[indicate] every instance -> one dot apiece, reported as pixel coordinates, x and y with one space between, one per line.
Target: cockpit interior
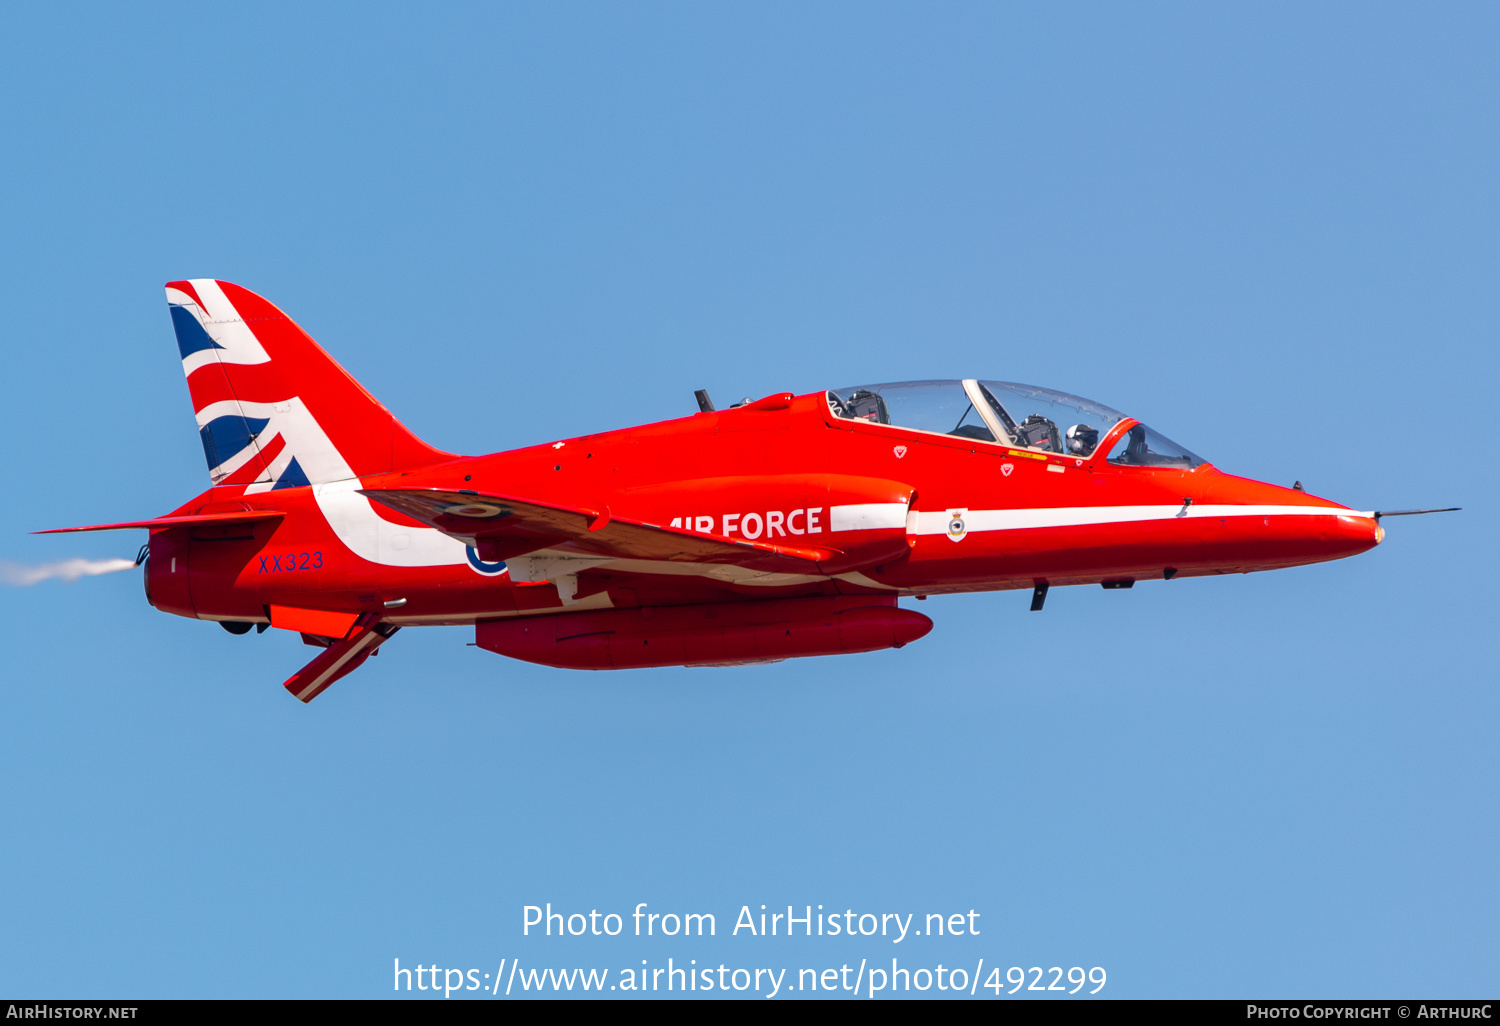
1011 414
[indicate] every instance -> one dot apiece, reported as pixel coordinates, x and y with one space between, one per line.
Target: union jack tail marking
273 409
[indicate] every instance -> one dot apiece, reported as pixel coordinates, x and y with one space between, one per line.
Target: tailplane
274 410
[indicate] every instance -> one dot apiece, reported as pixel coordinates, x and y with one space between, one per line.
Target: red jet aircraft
789 526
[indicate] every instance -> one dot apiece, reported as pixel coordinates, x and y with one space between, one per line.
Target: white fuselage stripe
370 537
922 522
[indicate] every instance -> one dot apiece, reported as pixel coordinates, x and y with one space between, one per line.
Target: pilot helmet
1082 439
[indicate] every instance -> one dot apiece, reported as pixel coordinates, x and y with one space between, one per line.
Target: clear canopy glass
1012 414
1040 418
942 407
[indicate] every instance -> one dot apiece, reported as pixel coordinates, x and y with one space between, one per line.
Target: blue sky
1270 231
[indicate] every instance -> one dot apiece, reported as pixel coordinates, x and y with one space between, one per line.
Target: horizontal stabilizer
243 516
501 527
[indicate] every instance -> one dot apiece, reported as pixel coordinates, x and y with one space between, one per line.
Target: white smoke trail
68 570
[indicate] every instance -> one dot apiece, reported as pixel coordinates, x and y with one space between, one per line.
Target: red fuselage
775 475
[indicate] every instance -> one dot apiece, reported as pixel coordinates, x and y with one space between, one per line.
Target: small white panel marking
868 516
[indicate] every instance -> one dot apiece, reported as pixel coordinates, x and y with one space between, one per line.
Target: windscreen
1143 447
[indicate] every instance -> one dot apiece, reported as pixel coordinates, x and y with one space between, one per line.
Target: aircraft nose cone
1348 534
1288 526
1311 538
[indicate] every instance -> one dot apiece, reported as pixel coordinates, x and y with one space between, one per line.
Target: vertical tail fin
273 409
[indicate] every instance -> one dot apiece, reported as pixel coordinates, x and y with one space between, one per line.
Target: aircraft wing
502 527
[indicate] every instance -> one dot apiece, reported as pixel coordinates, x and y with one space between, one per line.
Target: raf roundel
475 510
480 566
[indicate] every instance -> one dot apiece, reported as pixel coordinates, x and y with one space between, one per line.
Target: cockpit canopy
1021 416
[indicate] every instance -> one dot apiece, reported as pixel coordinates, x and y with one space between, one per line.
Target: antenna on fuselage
705 404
